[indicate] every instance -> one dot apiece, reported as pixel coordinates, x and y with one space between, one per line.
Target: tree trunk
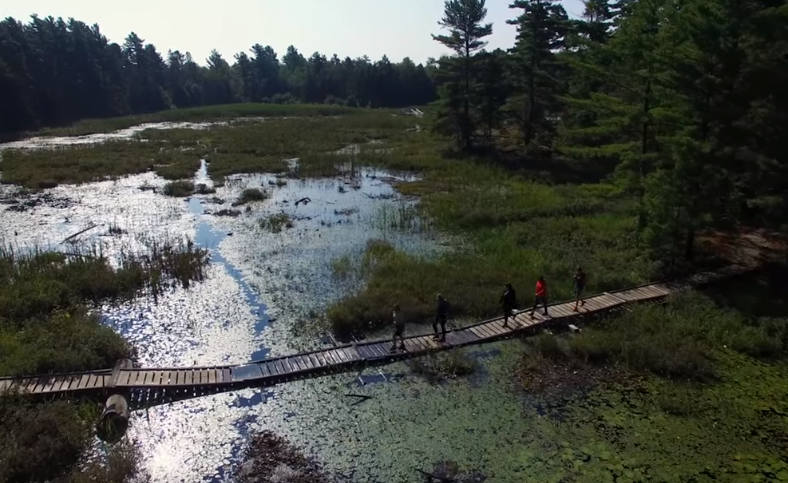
689 245
466 121
641 191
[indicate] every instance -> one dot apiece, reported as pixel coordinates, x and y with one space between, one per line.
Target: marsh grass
250 195
48 324
276 223
45 168
677 340
204 113
178 189
442 366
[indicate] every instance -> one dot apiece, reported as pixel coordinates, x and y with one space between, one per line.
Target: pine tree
541 30
490 92
463 19
629 114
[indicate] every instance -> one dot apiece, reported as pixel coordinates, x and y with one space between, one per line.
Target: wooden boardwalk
151 386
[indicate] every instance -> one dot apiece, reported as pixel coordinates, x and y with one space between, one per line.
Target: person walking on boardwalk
441 317
580 285
541 295
509 303
399 329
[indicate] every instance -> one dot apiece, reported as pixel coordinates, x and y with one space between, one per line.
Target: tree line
681 102
55 71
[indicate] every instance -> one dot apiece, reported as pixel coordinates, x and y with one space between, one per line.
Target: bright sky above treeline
396 28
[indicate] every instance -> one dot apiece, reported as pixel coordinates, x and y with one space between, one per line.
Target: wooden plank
264 369
374 350
497 328
280 368
412 346
314 361
173 378
211 376
478 332
351 353
227 375
189 377
290 365
83 381
305 362
58 383
321 358
94 381
123 378
339 355
483 332
420 343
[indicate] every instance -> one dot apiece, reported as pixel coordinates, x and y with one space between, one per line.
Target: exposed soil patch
272 459
557 381
749 247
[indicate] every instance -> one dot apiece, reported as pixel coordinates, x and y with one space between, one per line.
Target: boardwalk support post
114 419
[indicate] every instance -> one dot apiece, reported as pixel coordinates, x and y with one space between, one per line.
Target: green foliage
179 189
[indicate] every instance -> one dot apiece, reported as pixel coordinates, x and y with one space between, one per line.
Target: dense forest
683 103
55 71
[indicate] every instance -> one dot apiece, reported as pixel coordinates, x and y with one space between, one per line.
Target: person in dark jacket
508 302
441 317
580 285
399 329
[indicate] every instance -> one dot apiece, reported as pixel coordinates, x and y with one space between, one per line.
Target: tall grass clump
677 340
250 195
179 189
48 324
275 223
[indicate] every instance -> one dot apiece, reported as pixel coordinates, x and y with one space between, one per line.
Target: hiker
399 329
509 303
541 295
441 316
580 285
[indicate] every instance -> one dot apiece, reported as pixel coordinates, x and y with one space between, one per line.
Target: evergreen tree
463 19
541 30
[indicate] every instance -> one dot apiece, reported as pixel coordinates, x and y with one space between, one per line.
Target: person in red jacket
541 295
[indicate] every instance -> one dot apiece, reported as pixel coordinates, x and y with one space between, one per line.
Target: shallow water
260 286
122 134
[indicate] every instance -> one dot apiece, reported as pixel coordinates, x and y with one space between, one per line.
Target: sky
396 28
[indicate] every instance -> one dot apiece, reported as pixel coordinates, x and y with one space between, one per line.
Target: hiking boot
393 348
402 347
574 309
